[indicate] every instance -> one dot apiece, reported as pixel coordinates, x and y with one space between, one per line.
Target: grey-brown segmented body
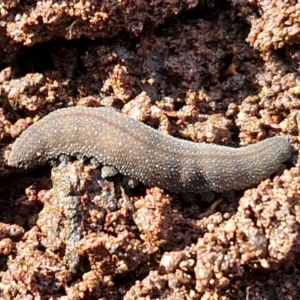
144 154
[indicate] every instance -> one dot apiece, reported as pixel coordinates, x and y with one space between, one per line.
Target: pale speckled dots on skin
142 153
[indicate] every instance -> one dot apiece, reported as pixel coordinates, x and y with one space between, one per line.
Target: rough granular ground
223 72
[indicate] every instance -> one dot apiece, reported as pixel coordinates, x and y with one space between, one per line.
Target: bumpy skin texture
142 153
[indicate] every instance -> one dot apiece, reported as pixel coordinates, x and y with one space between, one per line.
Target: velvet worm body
141 152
